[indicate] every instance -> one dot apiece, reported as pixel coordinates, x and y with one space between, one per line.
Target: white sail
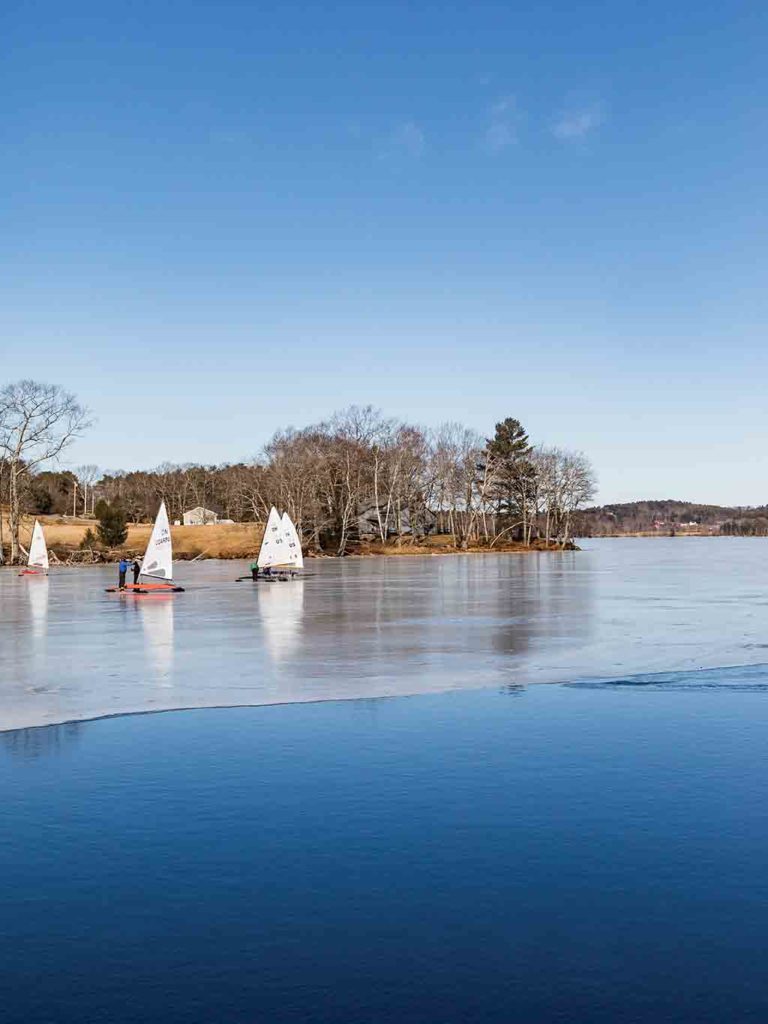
295 557
158 558
38 551
274 547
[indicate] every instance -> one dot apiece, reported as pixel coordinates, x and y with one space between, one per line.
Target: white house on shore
200 517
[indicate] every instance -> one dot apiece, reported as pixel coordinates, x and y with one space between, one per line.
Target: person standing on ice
122 569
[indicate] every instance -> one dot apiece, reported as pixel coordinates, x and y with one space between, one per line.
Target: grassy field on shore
236 540
224 540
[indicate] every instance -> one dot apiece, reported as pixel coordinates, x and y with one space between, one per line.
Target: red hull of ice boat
146 588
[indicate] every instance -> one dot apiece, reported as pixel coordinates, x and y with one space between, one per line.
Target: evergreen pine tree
112 528
511 450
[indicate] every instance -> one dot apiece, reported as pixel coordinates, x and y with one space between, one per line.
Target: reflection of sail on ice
38 550
281 608
157 623
38 605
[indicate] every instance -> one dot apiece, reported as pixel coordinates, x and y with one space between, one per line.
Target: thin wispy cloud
500 135
408 138
505 118
504 105
228 137
576 124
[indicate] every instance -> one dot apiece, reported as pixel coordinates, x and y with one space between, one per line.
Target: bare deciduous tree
37 423
566 484
86 477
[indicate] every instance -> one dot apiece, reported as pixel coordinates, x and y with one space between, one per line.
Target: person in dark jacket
122 569
136 571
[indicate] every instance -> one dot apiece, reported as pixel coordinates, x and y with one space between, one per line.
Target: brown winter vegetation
224 540
445 544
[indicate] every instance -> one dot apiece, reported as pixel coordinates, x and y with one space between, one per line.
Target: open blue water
595 852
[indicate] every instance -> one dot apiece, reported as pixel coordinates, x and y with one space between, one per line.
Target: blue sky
450 211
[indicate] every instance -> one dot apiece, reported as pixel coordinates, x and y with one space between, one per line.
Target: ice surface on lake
377 627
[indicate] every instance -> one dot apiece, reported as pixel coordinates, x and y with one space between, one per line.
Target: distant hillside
669 517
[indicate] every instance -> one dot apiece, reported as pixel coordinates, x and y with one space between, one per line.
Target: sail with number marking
38 550
295 557
158 558
274 548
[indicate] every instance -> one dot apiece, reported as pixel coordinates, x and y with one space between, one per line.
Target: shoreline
240 541
105 716
108 559
643 679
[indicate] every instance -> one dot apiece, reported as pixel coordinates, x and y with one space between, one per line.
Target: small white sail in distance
158 558
38 550
274 548
295 557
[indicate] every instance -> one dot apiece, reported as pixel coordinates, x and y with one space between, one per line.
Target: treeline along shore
359 482
671 518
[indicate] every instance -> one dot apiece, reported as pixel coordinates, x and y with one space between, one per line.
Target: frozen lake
363 628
